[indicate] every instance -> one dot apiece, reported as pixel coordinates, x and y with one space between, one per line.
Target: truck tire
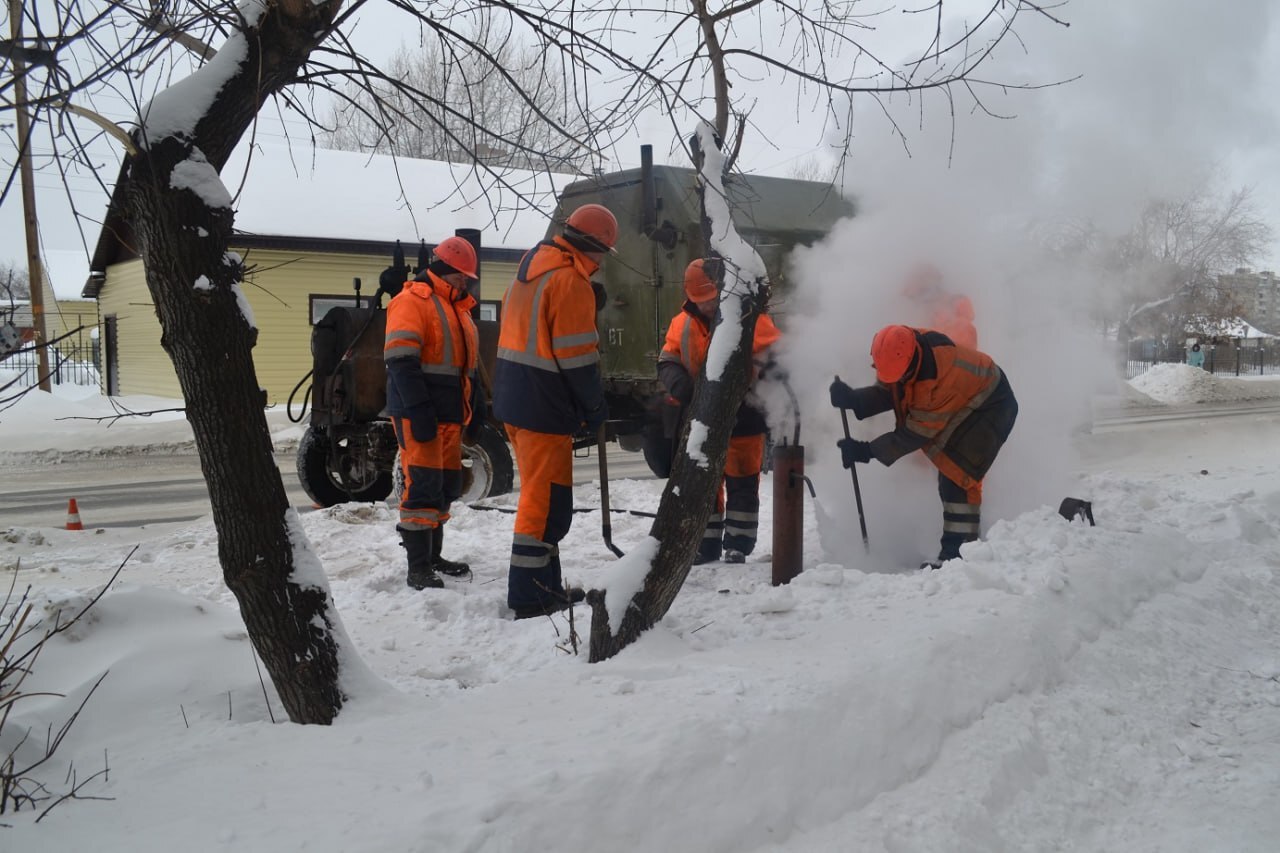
325 482
658 452
487 469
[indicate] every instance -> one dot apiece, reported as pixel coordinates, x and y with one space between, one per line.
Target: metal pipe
788 512
472 236
648 195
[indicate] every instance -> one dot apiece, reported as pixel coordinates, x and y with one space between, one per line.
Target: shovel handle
857 492
606 527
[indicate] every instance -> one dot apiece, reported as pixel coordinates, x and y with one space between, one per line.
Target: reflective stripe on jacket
430 351
547 375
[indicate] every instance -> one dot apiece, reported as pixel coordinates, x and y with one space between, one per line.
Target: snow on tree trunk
698 468
180 213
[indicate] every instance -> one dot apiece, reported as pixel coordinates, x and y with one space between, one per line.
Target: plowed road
131 491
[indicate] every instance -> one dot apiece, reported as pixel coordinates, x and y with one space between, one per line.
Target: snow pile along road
1182 383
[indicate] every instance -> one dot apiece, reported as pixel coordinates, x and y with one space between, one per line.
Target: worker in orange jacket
680 363
432 395
546 389
949 313
950 401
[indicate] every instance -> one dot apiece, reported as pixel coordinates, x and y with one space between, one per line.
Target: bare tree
198 75
13 282
1177 249
492 100
1164 270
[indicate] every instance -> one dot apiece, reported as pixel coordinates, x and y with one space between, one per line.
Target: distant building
1258 294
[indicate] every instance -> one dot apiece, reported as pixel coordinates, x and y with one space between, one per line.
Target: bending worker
952 402
547 388
679 365
430 353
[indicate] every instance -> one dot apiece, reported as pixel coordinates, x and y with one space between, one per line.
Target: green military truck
348 452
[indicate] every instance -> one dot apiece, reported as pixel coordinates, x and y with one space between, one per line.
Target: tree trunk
691 489
183 240
686 502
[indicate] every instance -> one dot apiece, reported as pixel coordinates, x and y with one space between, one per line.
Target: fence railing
1251 357
72 360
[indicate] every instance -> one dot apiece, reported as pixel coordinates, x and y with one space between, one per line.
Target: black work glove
852 450
479 414
422 422
596 416
843 396
863 402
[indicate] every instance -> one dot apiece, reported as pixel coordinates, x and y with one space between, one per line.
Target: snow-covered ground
1063 688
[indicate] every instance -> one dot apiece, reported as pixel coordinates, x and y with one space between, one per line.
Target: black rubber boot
540 591
417 548
453 568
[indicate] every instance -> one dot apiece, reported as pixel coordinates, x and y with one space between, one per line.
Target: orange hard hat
699 286
892 351
459 254
595 224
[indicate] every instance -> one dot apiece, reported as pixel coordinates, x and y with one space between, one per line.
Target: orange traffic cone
73 516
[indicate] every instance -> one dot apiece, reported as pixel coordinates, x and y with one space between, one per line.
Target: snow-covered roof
65 271
1236 327
299 191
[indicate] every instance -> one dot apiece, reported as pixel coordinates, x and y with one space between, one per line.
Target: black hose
576 510
289 405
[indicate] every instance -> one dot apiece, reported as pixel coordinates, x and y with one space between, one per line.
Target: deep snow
1064 687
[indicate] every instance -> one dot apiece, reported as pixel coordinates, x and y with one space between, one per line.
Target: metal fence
72 360
1232 357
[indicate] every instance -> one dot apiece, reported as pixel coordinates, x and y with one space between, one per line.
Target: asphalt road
154 489
132 491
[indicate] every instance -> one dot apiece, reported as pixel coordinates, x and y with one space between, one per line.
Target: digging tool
857 492
606 527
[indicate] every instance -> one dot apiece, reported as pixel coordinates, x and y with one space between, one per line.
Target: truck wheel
487 470
658 451
326 480
487 467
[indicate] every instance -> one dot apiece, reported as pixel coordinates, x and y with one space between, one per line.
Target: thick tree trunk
183 239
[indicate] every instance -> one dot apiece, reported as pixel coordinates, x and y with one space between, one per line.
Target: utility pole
34 269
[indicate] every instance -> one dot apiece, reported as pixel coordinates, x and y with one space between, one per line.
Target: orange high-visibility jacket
685 352
430 351
689 338
958 407
954 318
547 375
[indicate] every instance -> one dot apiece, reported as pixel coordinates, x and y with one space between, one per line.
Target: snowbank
1182 383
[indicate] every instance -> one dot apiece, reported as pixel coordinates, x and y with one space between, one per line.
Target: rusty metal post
788 512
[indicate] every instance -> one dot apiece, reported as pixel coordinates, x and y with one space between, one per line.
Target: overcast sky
1170 89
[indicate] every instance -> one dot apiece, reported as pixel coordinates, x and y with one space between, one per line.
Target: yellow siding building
306 226
287 290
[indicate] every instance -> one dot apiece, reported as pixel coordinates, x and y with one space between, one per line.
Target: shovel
606 527
857 492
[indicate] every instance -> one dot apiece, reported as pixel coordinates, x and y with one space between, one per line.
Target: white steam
1169 92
